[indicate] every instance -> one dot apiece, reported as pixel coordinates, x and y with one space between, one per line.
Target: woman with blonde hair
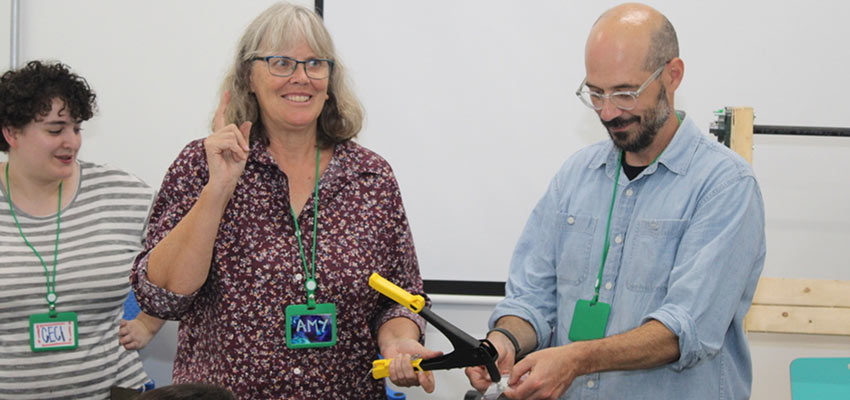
265 233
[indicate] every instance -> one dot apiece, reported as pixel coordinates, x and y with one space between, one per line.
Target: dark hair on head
28 93
188 391
663 46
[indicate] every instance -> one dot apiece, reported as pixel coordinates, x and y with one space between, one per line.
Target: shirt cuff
397 311
678 321
157 301
528 313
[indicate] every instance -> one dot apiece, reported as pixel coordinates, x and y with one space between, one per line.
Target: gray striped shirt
101 233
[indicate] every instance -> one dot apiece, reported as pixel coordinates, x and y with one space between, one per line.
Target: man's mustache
620 122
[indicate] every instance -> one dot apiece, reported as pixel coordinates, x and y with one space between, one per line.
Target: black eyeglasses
315 68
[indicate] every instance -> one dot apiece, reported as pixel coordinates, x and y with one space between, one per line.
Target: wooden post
741 140
782 305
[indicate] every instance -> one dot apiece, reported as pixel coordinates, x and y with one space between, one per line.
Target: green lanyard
608 224
310 282
51 278
607 229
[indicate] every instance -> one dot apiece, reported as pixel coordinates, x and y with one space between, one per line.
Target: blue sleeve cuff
684 327
528 313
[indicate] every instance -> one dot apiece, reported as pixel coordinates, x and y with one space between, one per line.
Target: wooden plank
802 292
741 139
793 319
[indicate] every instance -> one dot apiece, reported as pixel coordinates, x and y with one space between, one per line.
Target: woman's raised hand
227 149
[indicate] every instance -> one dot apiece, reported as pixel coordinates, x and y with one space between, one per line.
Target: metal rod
800 130
14 42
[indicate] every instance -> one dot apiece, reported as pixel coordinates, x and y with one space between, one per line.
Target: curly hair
28 93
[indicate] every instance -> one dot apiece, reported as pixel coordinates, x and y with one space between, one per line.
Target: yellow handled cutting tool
469 352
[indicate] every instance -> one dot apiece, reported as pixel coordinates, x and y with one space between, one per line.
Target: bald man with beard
635 270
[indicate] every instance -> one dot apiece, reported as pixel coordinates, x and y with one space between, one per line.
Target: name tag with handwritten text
310 327
53 333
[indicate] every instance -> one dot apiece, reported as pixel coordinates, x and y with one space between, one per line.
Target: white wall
156 67
5 34
472 103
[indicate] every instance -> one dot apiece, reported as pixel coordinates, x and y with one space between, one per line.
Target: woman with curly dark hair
69 231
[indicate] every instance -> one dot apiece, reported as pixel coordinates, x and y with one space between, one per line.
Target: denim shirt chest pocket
652 253
574 249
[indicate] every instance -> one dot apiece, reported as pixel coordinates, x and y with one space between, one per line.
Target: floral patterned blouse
232 330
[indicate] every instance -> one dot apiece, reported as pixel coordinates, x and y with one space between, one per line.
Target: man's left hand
544 374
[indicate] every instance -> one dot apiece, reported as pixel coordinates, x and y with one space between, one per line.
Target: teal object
820 378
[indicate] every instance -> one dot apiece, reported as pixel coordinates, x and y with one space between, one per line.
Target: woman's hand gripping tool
469 352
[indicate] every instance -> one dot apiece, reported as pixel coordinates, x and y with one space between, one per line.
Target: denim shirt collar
676 157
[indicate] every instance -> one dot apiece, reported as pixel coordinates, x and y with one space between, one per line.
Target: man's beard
648 128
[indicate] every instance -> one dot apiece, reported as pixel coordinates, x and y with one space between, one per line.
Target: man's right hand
226 149
479 378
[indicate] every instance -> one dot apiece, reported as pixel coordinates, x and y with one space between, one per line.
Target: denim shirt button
618 239
609 285
629 192
591 384
571 220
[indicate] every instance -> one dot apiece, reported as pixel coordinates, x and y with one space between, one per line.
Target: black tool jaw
495 375
469 352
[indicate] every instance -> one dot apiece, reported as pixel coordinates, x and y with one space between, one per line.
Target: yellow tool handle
381 368
401 296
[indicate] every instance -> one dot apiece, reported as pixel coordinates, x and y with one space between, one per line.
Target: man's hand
544 374
478 376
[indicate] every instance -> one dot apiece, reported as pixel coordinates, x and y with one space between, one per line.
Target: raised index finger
219 121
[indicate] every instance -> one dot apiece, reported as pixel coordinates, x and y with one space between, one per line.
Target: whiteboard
5 34
156 67
472 103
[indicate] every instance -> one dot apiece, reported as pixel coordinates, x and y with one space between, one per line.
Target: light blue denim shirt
687 247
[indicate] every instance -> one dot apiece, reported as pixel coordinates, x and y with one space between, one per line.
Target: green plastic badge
589 320
310 327
58 332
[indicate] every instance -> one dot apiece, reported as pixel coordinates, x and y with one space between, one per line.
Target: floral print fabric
232 330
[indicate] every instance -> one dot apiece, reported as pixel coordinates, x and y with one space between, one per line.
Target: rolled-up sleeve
720 258
155 300
531 288
180 190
